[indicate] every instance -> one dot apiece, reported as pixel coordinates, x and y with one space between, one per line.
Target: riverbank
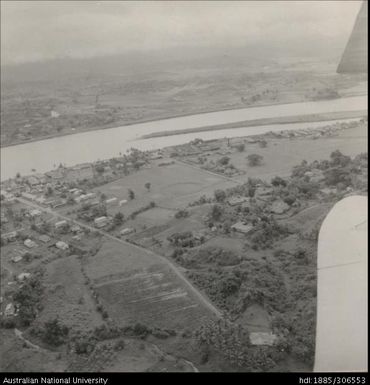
124 123
311 118
44 155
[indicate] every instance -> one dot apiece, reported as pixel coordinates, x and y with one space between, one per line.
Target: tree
99 168
54 332
278 181
224 160
147 185
263 143
49 191
338 159
103 197
220 195
216 212
254 159
118 219
131 194
240 147
251 191
182 214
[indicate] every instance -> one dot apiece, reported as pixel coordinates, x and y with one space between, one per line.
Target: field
67 297
172 187
15 357
135 286
281 155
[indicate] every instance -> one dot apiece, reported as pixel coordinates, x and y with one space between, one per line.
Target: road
201 297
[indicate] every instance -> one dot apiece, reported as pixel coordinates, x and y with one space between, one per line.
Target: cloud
37 30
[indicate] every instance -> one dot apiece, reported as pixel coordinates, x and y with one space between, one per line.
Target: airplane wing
341 328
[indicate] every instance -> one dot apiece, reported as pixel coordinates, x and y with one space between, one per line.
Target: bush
119 345
262 143
8 323
224 160
220 195
254 160
84 346
54 332
278 181
182 214
28 297
216 212
240 147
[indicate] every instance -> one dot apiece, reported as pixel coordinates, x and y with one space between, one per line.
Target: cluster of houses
314 132
195 147
263 194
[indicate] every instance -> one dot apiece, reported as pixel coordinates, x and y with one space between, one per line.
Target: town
210 244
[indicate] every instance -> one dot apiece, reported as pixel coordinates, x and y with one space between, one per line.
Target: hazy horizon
37 31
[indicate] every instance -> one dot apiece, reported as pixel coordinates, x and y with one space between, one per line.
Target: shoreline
256 135
310 118
122 125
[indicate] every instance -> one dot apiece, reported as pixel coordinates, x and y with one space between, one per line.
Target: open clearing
281 155
172 186
15 357
137 287
66 296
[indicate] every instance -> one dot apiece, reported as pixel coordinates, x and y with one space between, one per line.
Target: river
44 155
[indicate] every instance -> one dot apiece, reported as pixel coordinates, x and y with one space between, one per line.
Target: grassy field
15 357
172 187
134 286
281 155
67 297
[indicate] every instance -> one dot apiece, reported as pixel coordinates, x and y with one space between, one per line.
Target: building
29 196
61 245
101 222
85 197
40 199
44 238
58 203
262 338
315 176
279 207
16 258
111 201
80 172
127 231
30 243
56 174
9 310
54 114
23 276
233 201
75 229
35 213
122 202
263 191
240 227
60 224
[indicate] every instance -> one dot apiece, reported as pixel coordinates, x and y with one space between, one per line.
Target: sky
43 30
